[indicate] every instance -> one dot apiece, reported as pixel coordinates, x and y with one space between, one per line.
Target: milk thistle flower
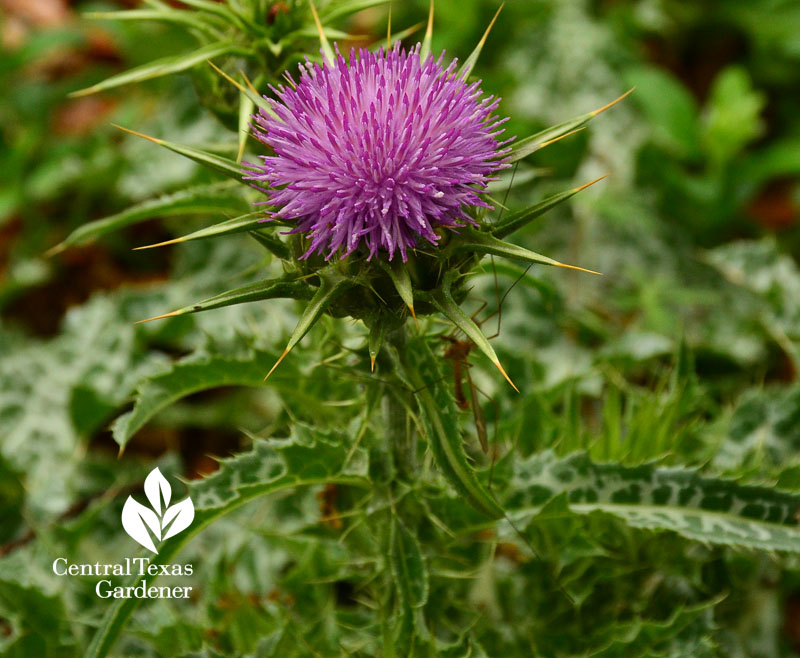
382 150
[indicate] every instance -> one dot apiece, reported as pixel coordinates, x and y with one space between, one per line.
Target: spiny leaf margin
707 509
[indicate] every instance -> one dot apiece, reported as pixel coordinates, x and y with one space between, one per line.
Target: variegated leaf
712 510
307 457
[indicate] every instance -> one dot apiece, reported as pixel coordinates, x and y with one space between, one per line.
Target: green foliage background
650 460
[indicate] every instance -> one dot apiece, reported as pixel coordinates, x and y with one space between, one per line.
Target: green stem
398 429
420 370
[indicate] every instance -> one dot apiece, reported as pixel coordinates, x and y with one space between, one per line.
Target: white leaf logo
157 488
183 513
138 519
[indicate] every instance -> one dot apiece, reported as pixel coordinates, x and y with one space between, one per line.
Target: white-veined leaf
308 457
708 509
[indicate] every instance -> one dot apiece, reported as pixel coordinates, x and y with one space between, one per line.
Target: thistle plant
389 152
386 492
372 192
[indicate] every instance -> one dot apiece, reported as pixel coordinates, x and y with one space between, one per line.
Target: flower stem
398 429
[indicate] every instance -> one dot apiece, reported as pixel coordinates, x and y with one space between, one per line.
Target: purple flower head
382 150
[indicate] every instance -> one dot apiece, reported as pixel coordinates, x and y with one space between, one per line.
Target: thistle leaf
517 220
209 160
428 40
223 11
160 67
272 243
469 63
389 28
339 9
525 147
444 302
407 565
216 197
167 15
402 282
711 510
309 32
419 367
287 287
252 95
483 243
378 327
186 377
307 458
404 34
329 289
236 225
246 107
323 40
518 177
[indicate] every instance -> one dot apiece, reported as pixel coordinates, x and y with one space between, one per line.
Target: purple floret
382 150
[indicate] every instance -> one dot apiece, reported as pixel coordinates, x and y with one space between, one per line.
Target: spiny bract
382 150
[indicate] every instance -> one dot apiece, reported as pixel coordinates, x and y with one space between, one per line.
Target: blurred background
688 346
